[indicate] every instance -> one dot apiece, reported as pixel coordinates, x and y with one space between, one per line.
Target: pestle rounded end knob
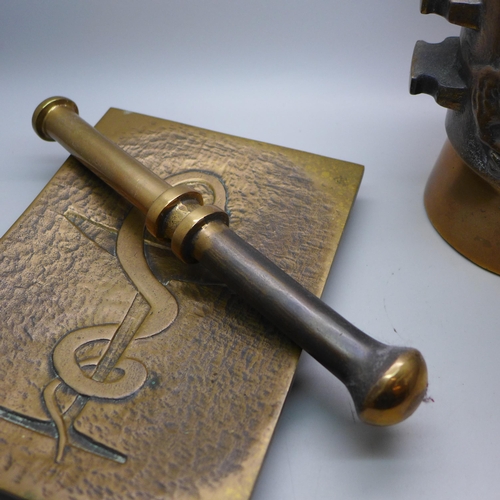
43 110
398 392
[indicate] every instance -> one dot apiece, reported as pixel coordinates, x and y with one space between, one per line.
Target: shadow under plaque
193 379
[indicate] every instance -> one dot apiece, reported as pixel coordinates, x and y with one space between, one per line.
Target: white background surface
330 78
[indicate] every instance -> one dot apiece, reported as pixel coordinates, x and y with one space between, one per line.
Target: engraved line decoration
112 375
153 310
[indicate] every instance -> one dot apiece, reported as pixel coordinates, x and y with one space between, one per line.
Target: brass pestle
386 383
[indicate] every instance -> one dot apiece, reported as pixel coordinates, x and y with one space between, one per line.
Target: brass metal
165 202
183 239
364 365
463 75
464 209
404 381
47 106
83 282
138 185
359 361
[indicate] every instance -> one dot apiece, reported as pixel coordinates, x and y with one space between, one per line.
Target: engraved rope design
153 310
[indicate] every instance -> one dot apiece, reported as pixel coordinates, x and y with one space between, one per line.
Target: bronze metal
202 235
463 74
83 282
464 209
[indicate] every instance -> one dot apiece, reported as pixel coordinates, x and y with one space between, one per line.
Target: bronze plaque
126 374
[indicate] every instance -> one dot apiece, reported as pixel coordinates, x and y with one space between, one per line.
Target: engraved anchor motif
112 374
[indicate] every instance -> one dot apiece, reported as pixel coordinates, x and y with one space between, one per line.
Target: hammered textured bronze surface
126 374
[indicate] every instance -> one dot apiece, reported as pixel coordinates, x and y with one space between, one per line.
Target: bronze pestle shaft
386 383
